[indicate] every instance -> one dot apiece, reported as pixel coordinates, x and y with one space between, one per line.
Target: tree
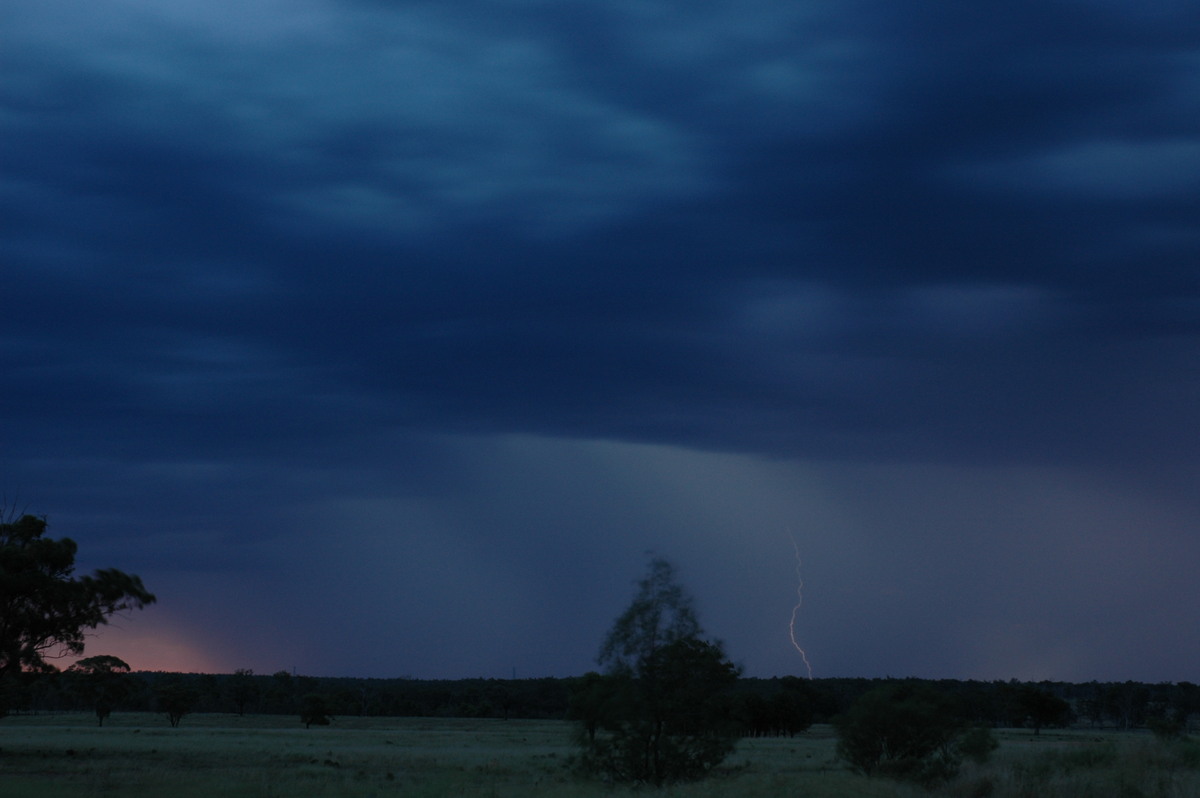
1040 708
314 710
46 611
903 730
102 682
793 707
591 704
176 699
1126 703
788 711
661 613
662 713
281 694
242 688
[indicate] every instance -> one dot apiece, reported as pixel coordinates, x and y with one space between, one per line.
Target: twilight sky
385 338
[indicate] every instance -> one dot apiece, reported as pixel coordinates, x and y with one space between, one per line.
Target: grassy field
67 756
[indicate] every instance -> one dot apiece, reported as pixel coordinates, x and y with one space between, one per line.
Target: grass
1087 765
136 756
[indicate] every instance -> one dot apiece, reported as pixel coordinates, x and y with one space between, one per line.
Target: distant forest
781 705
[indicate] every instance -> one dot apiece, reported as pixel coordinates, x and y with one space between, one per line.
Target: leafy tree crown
661 613
662 713
45 610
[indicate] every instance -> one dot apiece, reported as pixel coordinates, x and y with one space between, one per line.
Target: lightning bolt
796 609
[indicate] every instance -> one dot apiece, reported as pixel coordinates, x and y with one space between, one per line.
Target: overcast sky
385 338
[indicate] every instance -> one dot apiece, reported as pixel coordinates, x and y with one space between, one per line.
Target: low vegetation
138 755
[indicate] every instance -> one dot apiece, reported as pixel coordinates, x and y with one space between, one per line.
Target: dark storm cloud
267 255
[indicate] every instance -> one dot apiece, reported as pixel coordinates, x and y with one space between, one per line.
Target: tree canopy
660 613
314 710
45 610
102 682
176 698
662 713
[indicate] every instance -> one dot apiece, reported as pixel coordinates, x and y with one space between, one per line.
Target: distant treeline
781 705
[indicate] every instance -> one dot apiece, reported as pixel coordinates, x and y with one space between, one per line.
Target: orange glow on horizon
150 649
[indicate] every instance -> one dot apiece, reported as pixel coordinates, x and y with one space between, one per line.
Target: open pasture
139 756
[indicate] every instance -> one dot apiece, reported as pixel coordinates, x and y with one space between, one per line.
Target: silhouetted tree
1092 706
281 694
662 713
787 711
102 681
242 688
314 710
1041 708
45 611
177 700
1126 703
660 613
591 703
1185 701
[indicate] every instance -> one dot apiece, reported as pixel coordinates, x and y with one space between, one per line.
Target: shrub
977 744
901 730
1166 728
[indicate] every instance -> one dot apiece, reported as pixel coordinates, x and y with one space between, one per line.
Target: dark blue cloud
267 265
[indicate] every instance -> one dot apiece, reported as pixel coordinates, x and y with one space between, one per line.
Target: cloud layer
422 267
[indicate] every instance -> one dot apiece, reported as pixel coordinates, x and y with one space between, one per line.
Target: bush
901 730
1166 728
977 744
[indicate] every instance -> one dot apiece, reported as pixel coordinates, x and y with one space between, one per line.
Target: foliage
903 730
661 613
1038 708
45 611
176 699
103 681
12 694
314 711
1166 727
1126 703
977 744
663 712
595 704
242 688
987 703
786 711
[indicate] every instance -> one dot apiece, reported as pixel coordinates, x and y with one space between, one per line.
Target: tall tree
46 611
662 712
